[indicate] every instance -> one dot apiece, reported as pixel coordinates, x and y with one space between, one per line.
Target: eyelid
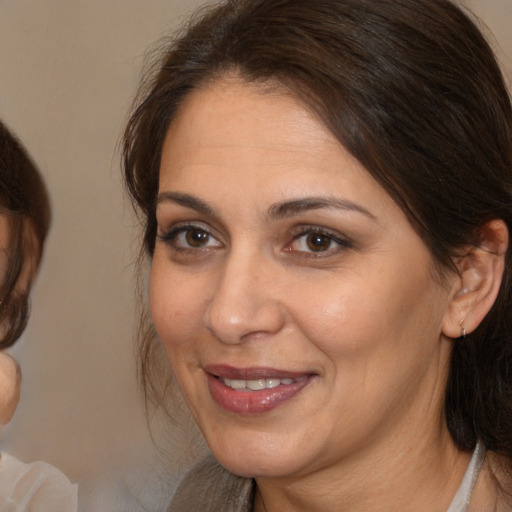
176 226
341 240
176 229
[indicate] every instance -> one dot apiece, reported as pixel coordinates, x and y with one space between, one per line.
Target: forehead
231 106
251 126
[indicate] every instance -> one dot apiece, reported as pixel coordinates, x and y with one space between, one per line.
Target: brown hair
24 202
412 89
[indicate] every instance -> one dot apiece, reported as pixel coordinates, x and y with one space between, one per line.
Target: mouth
259 384
254 390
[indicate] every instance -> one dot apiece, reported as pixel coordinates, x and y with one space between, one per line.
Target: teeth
256 385
238 384
272 383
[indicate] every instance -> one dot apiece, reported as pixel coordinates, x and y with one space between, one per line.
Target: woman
24 223
25 209
325 194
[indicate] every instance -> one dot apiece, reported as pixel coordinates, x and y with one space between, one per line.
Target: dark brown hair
413 90
25 204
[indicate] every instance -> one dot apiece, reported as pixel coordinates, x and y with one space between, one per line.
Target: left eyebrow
296 206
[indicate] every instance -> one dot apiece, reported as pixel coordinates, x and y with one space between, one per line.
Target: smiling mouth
254 390
259 384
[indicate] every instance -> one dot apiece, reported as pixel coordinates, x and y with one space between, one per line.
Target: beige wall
69 69
497 17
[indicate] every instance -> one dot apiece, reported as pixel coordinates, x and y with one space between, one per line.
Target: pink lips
257 401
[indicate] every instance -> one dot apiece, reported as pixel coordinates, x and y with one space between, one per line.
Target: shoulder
38 485
208 487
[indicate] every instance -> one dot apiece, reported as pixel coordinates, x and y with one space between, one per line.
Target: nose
245 302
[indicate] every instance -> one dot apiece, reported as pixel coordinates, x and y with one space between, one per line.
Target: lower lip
253 402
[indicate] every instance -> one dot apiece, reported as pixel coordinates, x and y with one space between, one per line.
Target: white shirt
34 487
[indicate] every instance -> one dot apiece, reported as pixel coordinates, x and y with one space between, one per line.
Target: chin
259 458
254 467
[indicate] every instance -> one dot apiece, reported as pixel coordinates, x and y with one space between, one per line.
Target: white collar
460 502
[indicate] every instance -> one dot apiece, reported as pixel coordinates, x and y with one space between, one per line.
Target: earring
463 332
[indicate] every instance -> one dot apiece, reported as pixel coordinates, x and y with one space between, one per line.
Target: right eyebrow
186 200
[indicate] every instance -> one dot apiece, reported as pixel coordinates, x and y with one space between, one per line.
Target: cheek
171 302
177 303
385 311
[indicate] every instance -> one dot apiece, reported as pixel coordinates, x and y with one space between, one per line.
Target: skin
10 383
236 280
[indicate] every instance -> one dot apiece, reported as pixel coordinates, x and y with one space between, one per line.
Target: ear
480 275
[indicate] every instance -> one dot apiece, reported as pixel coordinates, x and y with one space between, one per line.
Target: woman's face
297 306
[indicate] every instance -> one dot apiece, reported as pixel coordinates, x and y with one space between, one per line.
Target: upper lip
252 373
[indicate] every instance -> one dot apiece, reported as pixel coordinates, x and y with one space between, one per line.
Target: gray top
208 487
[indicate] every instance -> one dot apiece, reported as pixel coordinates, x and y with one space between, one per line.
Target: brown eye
190 237
197 237
318 242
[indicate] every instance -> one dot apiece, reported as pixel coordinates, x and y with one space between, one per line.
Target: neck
493 489
423 475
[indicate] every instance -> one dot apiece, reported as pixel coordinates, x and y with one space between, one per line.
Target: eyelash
332 238
183 229
172 235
